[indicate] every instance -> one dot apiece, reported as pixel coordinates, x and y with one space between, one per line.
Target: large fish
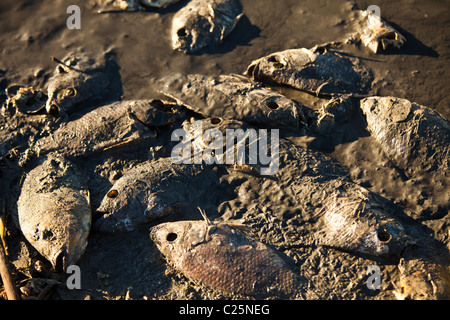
150 191
233 97
415 137
54 211
114 125
77 78
221 257
203 23
344 214
319 70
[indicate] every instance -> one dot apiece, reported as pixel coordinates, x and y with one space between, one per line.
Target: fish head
155 112
279 109
187 36
64 91
131 202
175 239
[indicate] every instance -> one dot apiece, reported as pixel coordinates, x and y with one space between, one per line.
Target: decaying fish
26 100
319 70
334 112
221 257
376 34
355 221
77 78
133 5
415 137
423 279
114 125
150 191
203 23
54 211
233 97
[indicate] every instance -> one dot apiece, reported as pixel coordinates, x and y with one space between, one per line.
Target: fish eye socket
171 236
272 105
112 194
182 32
383 236
70 92
215 121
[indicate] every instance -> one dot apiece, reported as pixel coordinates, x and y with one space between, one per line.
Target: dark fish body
150 191
415 137
78 79
225 259
203 23
114 125
133 5
317 70
233 97
54 211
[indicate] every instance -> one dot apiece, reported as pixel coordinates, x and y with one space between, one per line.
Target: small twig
10 288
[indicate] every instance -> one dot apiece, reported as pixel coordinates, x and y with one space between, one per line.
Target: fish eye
112 194
383 236
272 105
70 92
276 62
182 32
215 121
171 236
54 110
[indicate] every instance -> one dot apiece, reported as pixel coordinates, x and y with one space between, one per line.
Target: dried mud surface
129 265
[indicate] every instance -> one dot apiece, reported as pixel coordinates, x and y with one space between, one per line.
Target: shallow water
32 32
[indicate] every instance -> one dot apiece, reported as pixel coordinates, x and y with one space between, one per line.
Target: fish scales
345 215
223 258
233 97
415 137
203 23
317 70
54 211
150 191
108 126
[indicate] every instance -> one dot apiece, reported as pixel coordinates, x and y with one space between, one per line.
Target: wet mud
129 265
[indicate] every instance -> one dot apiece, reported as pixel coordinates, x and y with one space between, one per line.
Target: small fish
423 279
118 124
233 97
376 34
203 23
150 191
319 70
353 220
415 137
220 256
77 78
54 211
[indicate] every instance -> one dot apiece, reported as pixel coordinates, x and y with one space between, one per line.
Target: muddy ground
129 265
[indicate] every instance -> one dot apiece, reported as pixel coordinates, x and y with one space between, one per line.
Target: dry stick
10 288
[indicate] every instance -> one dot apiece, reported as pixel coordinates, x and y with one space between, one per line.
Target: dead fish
423 279
54 211
233 97
319 70
376 34
133 5
77 78
26 100
221 257
150 191
118 124
203 23
353 220
334 112
415 137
